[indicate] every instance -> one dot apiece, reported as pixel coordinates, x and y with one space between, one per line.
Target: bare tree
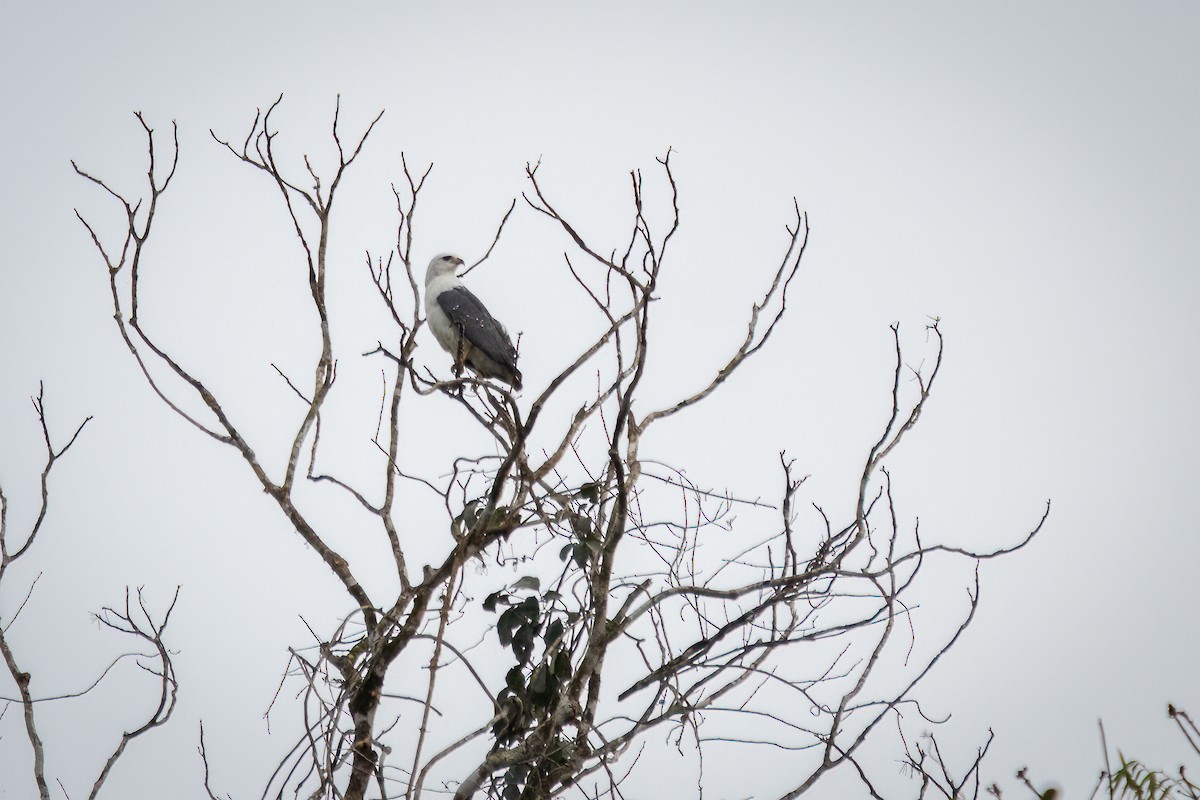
132 619
642 608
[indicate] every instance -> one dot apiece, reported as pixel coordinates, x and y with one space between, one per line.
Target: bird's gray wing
478 326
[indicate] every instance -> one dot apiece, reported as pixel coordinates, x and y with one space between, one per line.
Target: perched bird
464 327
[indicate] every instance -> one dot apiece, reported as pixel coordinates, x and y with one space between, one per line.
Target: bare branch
51 457
495 239
142 626
755 338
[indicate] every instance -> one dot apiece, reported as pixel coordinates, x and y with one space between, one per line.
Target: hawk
464 327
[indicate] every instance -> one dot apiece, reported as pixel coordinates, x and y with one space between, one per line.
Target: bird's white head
442 264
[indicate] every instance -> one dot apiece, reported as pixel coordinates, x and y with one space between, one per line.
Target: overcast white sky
1027 171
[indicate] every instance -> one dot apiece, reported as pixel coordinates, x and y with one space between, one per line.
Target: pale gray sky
1027 171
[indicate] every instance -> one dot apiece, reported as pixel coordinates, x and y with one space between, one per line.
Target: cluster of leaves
579 526
526 781
536 627
473 518
1131 779
532 693
533 689
1135 781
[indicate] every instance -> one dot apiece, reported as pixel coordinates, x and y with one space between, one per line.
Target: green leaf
582 525
553 631
562 665
466 520
531 610
509 621
531 582
498 517
470 513
538 681
522 643
489 602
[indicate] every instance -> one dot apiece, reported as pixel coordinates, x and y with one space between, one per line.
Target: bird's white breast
445 332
